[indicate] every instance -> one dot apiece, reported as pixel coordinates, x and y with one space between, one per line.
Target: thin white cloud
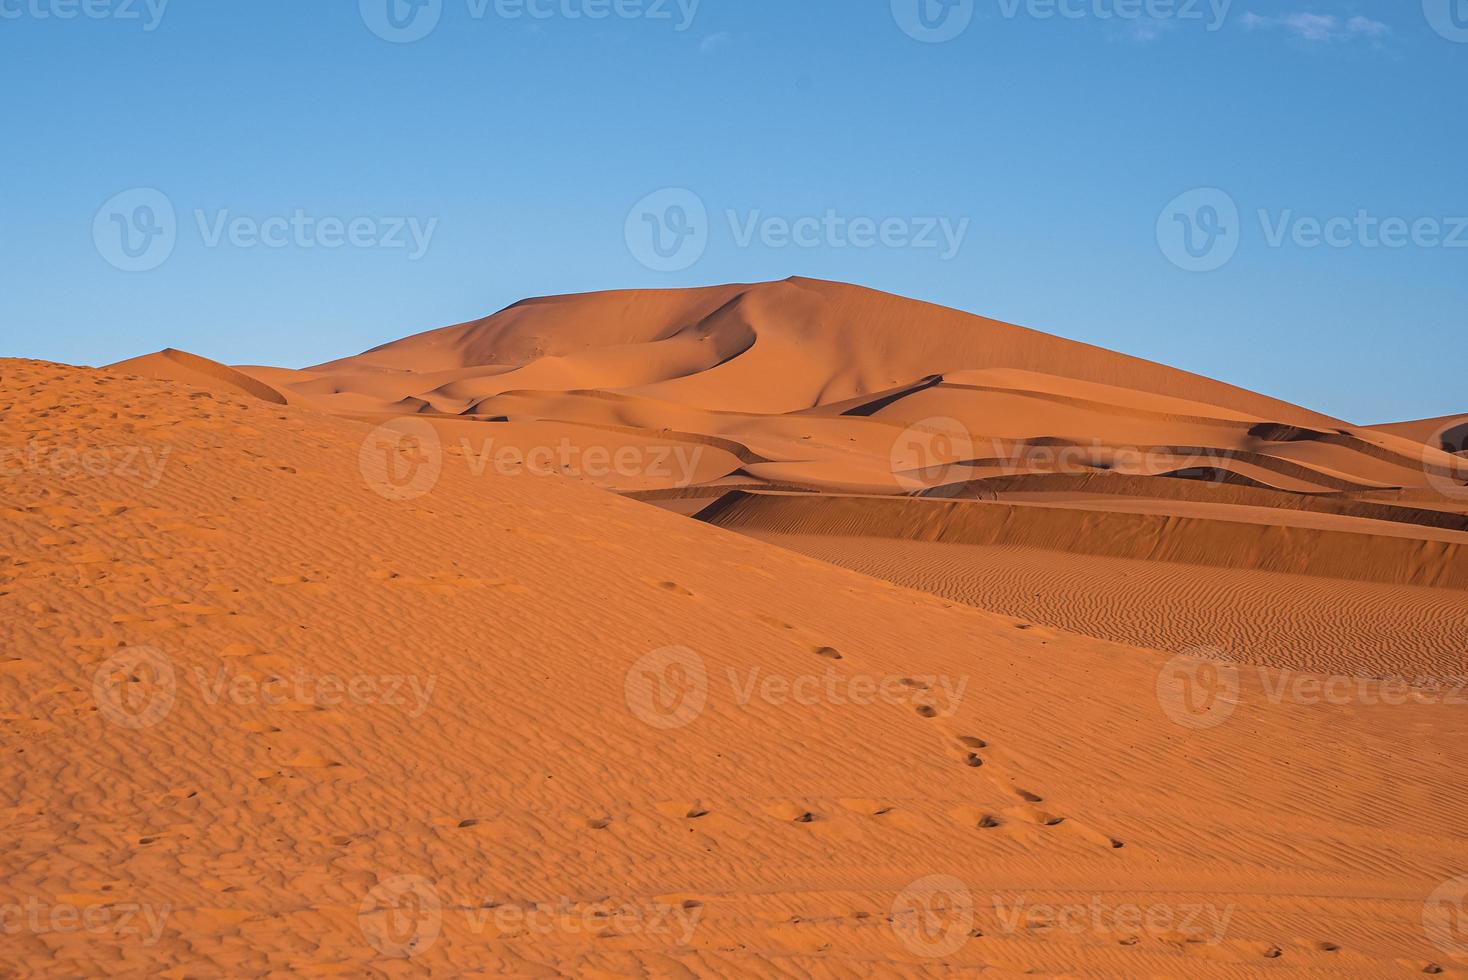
1146 30
714 42
1319 28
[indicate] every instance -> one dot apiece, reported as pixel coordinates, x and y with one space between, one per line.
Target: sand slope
562 802
835 391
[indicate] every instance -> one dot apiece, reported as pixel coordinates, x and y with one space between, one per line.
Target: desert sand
788 629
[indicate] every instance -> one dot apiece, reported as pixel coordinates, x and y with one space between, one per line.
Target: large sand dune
836 390
362 669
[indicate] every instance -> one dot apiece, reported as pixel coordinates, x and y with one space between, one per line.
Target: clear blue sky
528 139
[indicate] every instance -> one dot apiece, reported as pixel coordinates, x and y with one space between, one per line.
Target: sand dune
300 727
524 647
177 365
833 389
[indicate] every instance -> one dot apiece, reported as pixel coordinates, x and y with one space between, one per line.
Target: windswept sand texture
839 391
383 681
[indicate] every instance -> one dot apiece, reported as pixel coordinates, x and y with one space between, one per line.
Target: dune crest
843 393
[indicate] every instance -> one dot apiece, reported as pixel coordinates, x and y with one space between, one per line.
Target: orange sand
383 680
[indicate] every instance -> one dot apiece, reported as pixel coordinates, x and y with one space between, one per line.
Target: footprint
674 588
830 653
793 812
973 743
